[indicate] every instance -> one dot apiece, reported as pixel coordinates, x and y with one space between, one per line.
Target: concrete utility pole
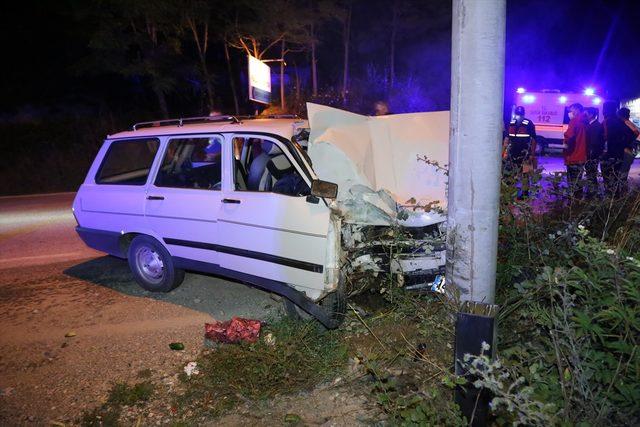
477 86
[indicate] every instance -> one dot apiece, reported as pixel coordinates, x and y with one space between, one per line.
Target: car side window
260 165
192 163
127 162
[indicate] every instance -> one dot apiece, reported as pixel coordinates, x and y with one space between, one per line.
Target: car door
266 226
183 200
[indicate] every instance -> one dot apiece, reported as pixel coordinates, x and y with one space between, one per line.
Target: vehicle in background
548 109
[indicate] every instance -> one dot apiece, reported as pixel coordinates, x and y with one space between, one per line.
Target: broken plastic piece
233 331
437 285
191 369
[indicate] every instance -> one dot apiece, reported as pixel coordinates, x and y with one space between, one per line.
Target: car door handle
236 201
155 197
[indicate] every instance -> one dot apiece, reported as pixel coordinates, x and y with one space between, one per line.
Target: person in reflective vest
519 148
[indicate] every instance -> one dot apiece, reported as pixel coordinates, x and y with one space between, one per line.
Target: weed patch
295 357
121 394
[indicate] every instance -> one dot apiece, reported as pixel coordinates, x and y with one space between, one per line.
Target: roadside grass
289 357
121 394
405 349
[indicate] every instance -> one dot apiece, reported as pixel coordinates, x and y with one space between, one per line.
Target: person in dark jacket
618 138
595 148
629 152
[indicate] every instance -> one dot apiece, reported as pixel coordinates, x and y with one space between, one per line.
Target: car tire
152 265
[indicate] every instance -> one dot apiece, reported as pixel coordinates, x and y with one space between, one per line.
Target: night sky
554 44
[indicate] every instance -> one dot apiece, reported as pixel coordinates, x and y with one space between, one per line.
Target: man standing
519 147
630 151
575 148
617 137
595 147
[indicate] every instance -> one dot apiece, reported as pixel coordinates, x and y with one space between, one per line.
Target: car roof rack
186 120
205 119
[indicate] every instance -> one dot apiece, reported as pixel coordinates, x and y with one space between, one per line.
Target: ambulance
548 109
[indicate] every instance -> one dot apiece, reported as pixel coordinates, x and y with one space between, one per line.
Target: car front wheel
152 266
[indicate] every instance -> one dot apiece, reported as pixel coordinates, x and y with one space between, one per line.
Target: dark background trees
104 64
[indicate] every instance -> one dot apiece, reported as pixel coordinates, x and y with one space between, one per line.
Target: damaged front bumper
411 257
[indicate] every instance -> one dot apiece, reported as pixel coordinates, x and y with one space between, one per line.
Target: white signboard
259 81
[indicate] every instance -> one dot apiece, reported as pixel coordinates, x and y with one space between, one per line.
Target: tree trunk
392 47
162 101
295 68
314 65
202 55
283 101
345 71
207 82
231 80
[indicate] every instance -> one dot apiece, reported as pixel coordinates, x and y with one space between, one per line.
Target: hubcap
149 264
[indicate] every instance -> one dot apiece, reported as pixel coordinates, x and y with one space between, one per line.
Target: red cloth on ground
232 331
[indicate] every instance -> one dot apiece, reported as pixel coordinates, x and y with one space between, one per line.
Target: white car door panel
276 236
182 209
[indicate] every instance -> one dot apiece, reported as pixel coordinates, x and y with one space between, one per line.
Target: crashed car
241 198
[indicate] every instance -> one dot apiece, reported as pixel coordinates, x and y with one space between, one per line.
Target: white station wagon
235 197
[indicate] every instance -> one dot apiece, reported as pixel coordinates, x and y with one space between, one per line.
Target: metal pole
477 85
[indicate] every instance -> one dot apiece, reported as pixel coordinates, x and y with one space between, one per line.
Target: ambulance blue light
521 90
562 99
597 101
528 99
589 91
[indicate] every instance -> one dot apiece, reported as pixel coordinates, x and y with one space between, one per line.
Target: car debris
191 369
233 331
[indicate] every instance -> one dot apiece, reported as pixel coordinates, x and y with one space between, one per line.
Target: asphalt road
51 285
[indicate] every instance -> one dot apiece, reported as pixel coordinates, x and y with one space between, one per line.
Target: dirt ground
119 330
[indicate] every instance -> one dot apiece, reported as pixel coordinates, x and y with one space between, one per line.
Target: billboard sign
259 81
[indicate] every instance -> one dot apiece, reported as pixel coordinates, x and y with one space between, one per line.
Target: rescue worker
595 148
575 148
519 148
630 151
618 137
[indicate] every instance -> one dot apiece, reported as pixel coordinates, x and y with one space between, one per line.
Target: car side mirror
325 189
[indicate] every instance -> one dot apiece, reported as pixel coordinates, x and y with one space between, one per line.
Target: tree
281 24
196 15
137 39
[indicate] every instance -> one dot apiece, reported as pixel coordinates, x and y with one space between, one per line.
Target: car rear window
128 162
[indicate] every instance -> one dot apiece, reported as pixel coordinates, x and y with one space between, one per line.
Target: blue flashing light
528 99
562 99
521 90
589 91
597 100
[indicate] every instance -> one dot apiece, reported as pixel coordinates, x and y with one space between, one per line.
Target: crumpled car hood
374 162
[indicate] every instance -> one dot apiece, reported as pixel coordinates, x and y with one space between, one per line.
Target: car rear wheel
152 266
